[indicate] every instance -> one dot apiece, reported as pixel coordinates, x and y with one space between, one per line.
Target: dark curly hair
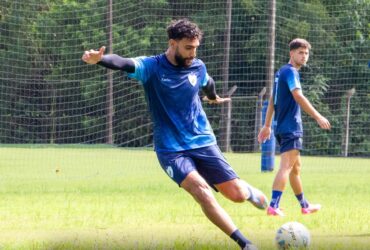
183 28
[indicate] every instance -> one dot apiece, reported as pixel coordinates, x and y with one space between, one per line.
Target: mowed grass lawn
113 198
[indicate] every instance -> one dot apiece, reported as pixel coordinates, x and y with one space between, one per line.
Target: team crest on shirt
192 79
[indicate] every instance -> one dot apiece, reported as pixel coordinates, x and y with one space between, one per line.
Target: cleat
250 247
312 208
275 212
256 197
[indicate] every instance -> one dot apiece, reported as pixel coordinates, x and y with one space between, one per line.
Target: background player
286 102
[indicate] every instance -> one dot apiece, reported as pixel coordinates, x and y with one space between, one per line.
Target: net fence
49 96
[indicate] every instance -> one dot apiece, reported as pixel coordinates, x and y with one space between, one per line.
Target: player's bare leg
295 177
287 161
296 184
202 193
239 191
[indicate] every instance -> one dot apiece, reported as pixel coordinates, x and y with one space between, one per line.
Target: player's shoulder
149 59
288 70
147 62
198 62
198 65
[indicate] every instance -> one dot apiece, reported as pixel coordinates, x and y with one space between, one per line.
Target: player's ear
291 53
172 43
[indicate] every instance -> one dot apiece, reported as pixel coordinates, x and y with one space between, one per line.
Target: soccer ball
292 235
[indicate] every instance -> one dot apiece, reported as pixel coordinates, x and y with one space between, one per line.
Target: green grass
112 198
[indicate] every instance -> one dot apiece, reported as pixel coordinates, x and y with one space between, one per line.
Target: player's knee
236 194
203 194
296 170
286 168
238 197
234 190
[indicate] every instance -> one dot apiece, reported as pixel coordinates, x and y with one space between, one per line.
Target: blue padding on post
268 147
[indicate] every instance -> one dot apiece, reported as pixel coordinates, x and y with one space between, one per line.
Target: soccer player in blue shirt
183 138
286 102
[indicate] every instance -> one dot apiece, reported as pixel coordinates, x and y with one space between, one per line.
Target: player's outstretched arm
113 61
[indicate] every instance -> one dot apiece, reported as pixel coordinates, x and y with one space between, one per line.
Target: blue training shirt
287 119
179 121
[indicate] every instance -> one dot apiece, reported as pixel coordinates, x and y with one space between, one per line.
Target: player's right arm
113 61
265 132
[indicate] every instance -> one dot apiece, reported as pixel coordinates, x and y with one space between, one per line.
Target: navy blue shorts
288 142
208 161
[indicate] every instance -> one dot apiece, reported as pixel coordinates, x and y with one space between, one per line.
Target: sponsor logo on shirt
164 79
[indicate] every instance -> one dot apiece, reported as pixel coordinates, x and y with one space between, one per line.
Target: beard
182 61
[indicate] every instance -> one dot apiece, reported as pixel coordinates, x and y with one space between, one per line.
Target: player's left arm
112 61
210 90
309 109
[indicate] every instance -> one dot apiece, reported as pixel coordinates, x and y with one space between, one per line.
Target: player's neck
297 66
170 57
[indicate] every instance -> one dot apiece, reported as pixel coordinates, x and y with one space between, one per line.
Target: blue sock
240 238
302 200
275 199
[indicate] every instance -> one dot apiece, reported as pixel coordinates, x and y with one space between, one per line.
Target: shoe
312 208
257 198
250 247
275 212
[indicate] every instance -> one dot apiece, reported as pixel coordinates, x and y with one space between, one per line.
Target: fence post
345 142
270 61
109 138
268 147
225 109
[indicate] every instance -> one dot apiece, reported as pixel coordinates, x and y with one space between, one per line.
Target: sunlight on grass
114 198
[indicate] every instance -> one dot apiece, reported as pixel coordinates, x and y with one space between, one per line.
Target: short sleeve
205 80
143 68
204 76
293 80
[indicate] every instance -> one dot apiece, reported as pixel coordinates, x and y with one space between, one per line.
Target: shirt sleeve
143 68
205 77
293 80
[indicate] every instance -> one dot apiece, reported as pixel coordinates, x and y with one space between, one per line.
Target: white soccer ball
292 235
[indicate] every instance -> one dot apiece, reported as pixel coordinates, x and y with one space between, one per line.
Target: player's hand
218 100
264 134
93 56
323 122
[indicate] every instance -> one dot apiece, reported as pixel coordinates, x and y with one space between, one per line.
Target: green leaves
44 82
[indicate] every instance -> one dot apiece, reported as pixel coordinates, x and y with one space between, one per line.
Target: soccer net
49 96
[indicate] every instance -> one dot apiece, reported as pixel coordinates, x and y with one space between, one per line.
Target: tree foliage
42 42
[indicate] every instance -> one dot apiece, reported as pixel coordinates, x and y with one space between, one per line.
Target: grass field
114 198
